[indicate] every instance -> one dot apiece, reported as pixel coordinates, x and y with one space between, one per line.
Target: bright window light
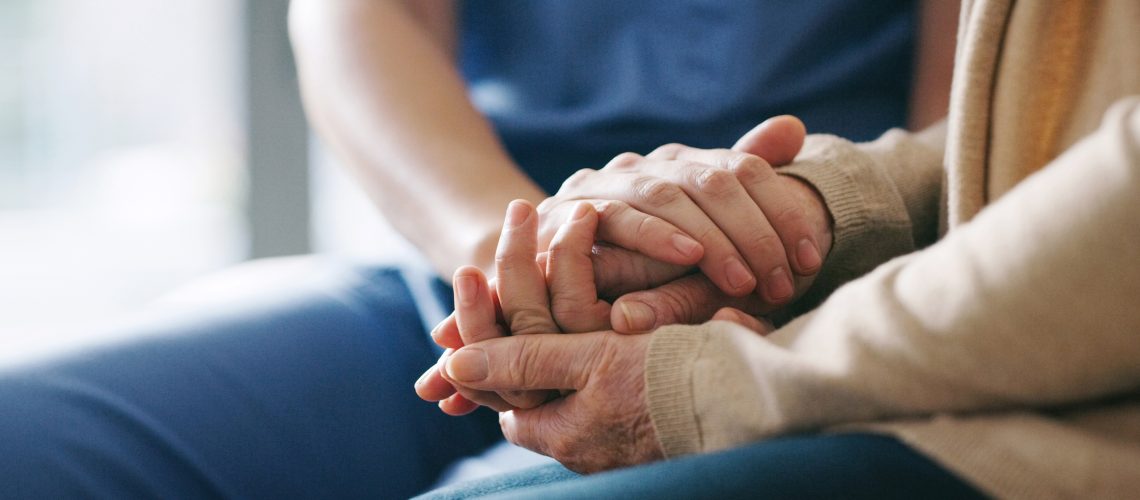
121 155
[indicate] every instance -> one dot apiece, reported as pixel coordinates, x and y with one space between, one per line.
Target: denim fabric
297 393
306 392
850 466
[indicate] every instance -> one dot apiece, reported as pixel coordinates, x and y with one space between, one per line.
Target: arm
401 132
1043 282
412 138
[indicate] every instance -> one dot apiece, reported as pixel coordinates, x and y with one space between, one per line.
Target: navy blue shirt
569 84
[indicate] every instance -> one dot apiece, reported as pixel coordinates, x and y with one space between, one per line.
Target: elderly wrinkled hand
519 302
578 398
602 421
581 269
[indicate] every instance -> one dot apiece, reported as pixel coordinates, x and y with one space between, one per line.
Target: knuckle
509 261
524 361
679 308
656 192
651 231
526 321
690 167
609 209
595 360
624 160
577 179
788 216
566 313
512 254
750 168
560 251
716 182
765 243
546 206
668 151
673 304
710 233
603 355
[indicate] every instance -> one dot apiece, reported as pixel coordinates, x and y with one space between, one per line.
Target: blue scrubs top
569 84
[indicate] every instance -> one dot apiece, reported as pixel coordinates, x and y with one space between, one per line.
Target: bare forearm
426 157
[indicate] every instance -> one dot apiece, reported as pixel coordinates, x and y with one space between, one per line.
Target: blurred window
121 154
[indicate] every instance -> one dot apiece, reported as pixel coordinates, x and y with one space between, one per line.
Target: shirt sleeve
1032 304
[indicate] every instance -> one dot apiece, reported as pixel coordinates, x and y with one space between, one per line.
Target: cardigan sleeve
883 198
1032 304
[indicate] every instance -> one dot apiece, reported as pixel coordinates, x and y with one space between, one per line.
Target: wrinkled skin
581 398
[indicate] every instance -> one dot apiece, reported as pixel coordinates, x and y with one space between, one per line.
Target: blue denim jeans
802 467
304 391
298 391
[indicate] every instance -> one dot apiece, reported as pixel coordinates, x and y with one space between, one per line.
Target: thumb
777 140
523 362
689 300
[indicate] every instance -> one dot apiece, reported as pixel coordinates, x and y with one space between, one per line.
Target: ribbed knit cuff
870 224
673 351
829 173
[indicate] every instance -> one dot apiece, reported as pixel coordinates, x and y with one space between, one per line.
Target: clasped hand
581 398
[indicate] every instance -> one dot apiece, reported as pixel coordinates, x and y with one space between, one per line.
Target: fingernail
580 211
808 255
738 276
779 285
467 289
685 245
516 214
639 317
468 365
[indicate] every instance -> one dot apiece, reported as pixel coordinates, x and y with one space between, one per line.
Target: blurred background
144 144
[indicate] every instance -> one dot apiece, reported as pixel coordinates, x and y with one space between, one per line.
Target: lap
300 391
830 466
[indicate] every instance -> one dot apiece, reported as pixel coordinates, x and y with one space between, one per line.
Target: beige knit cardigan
986 276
